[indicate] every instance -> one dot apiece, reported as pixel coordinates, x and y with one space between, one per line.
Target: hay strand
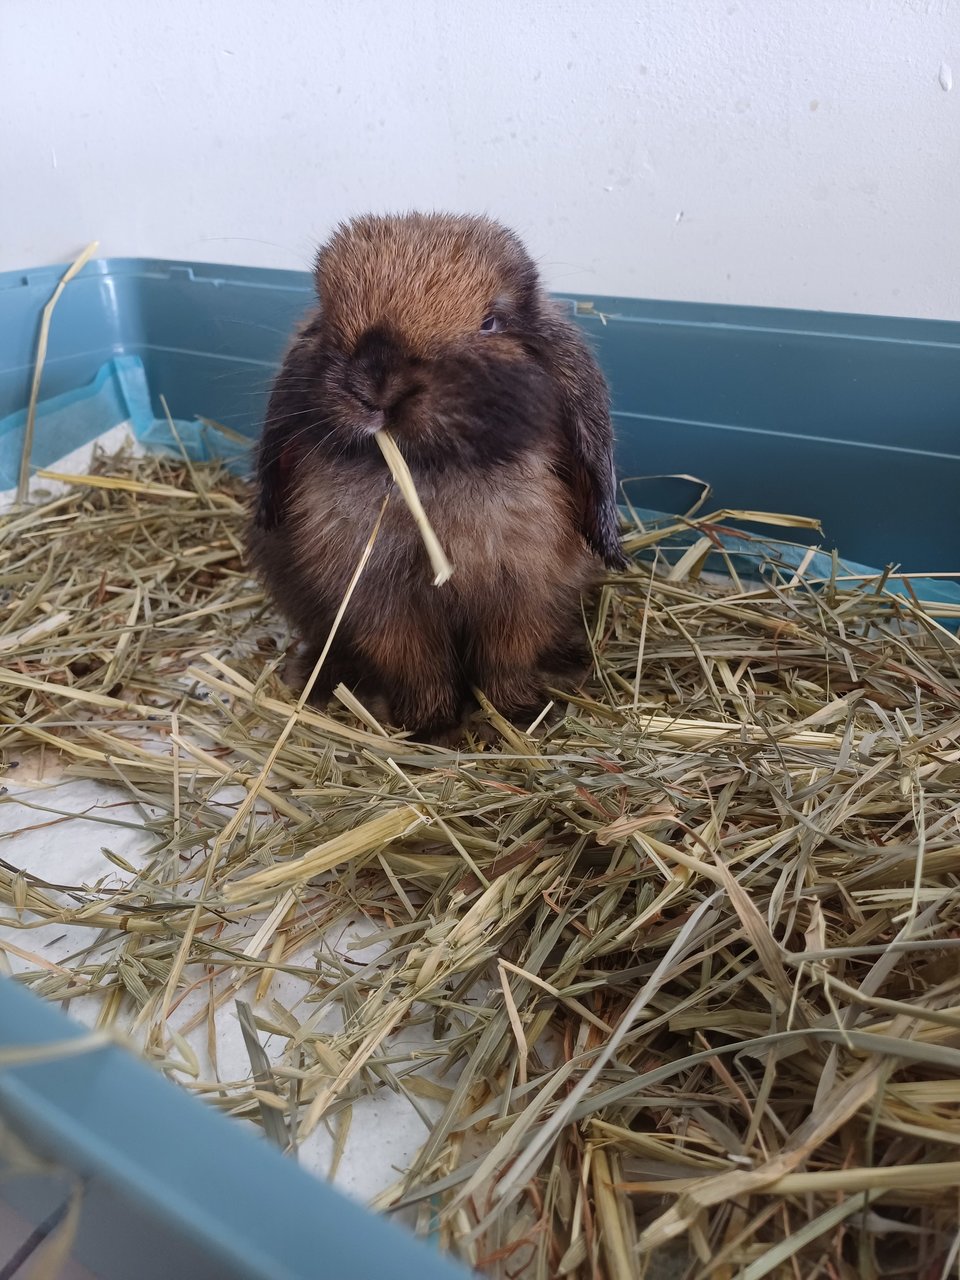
43 339
395 460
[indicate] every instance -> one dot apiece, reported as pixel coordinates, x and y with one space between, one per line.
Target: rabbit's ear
290 412
273 474
585 406
284 424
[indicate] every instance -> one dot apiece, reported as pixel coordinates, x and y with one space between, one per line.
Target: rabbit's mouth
373 417
370 417
365 418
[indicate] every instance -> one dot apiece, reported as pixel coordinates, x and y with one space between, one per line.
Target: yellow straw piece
442 567
68 275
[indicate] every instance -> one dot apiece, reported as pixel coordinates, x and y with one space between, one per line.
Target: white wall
789 152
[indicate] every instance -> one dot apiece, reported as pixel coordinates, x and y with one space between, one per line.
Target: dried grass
687 952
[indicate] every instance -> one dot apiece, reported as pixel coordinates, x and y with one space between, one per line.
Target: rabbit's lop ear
273 472
290 415
585 404
284 423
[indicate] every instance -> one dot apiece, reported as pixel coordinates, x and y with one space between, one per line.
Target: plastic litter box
851 419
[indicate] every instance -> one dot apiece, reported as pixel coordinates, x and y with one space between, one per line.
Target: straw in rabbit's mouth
394 459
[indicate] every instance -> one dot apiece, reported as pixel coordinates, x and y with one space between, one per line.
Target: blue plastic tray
171 1187
852 419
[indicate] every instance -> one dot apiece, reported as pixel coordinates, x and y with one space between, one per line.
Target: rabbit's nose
375 369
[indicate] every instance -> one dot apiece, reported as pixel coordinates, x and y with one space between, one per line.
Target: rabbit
436 327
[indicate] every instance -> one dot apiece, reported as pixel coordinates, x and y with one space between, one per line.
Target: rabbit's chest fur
511 524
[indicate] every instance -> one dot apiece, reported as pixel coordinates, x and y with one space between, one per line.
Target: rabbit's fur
436 327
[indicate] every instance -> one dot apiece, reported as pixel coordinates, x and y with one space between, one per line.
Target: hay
442 568
43 337
675 970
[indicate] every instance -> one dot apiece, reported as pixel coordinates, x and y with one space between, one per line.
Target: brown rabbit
437 328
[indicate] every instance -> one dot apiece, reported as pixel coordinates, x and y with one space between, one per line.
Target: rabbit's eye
491 325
